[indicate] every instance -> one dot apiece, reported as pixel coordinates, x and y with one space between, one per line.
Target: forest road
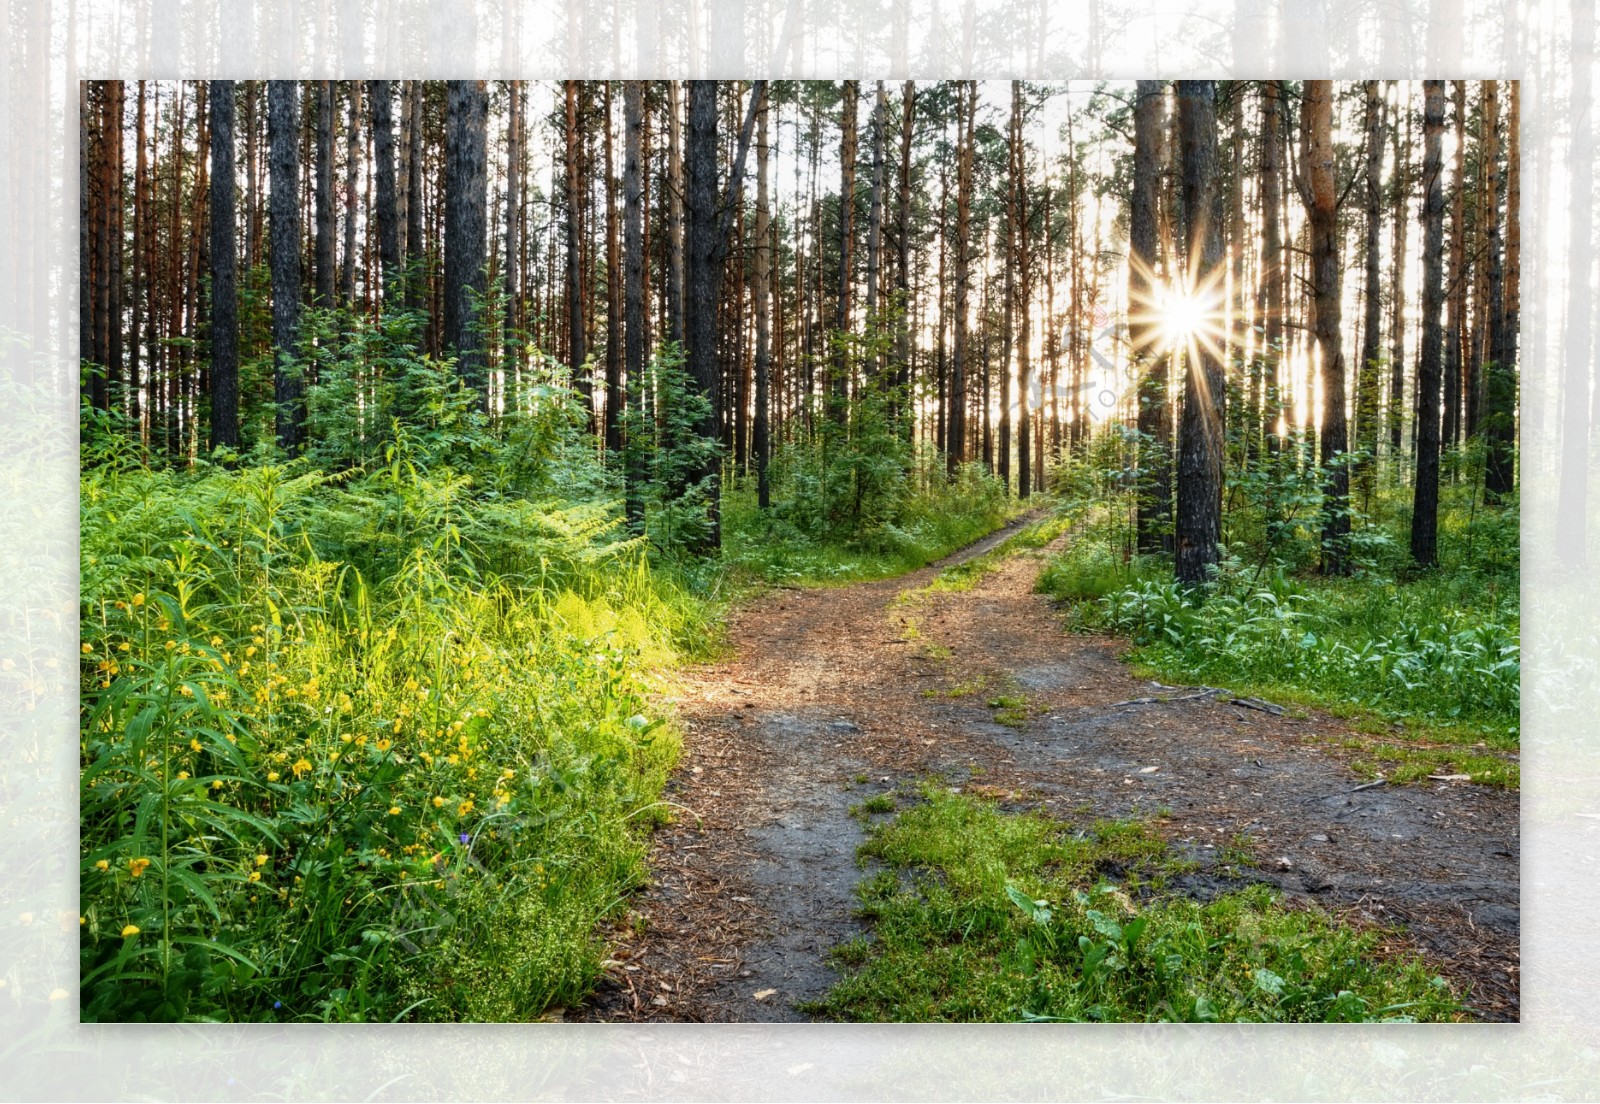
830 696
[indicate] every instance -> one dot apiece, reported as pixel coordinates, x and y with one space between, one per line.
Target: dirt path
824 689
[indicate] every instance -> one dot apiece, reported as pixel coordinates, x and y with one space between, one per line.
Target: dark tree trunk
324 199
382 97
700 276
955 449
516 142
1199 519
465 231
1274 270
1425 503
283 132
416 284
847 209
352 167
1367 405
762 291
904 407
1454 361
1155 495
674 244
1319 192
1500 396
1024 305
224 302
577 353
614 400
1397 291
633 293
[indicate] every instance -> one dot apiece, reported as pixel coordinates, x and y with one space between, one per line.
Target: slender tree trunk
382 100
1200 458
1456 292
352 172
415 246
1397 291
633 292
847 207
140 175
516 151
700 278
224 315
903 399
1425 503
1153 509
675 228
573 197
880 110
1024 304
614 399
1500 397
1367 406
762 293
465 244
283 131
955 451
1319 192
324 198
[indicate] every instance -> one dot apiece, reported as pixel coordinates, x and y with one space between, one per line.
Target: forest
499 498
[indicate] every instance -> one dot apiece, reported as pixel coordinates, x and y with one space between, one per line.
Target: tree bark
1500 421
700 278
465 243
1200 455
847 208
762 291
633 292
381 95
224 302
1397 292
1153 509
955 449
614 400
324 196
352 173
1366 414
283 132
1319 193
1425 501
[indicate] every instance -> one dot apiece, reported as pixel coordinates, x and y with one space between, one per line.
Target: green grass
981 915
930 520
1425 665
360 749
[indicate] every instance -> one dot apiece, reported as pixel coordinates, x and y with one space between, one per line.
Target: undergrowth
980 915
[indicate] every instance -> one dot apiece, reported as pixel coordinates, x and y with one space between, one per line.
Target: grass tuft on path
983 915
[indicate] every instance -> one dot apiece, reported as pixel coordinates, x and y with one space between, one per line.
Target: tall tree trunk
140 175
1367 405
1397 291
283 132
573 198
465 244
352 172
516 152
614 399
382 99
633 292
955 451
1024 303
1456 294
847 209
700 279
1425 502
880 110
324 201
674 243
1200 456
1153 509
224 315
904 407
415 247
762 291
1500 396
1319 193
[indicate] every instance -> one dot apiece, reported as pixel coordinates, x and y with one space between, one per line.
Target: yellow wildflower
255 876
438 802
394 810
383 745
301 766
194 745
272 776
182 775
216 641
123 646
102 865
171 644
186 691
137 867
130 931
87 647
216 784
261 860
464 808
138 599
333 758
346 738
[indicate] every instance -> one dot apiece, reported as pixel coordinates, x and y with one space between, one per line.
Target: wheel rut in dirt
832 696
